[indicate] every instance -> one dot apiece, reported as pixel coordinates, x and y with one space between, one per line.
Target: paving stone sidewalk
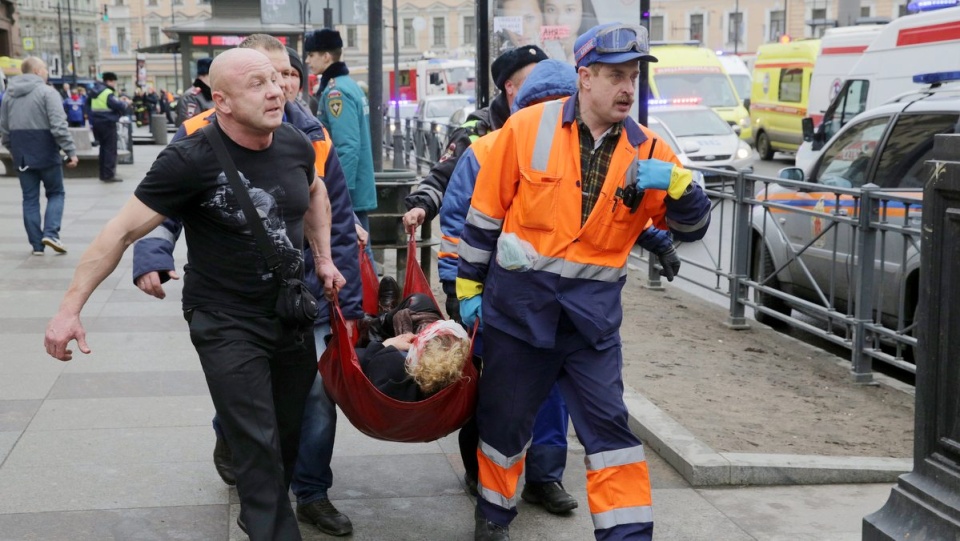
117 444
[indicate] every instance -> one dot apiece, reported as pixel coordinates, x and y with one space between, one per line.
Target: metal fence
814 281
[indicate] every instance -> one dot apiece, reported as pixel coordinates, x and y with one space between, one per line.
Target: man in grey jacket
33 126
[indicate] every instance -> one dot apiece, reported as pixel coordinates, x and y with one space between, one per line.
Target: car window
694 122
742 83
791 85
909 145
443 108
850 104
846 161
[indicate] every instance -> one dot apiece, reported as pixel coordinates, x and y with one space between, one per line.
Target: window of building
735 27
696 27
819 15
118 2
902 10
351 37
409 39
656 28
778 25
121 39
469 29
439 32
152 3
154 35
865 11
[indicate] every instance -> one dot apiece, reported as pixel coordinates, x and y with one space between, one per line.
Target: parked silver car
813 252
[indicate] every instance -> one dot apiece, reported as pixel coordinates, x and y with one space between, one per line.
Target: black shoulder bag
295 304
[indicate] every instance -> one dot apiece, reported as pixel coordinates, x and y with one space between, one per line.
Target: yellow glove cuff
680 180
468 288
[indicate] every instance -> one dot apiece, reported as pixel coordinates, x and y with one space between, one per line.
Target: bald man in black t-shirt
258 371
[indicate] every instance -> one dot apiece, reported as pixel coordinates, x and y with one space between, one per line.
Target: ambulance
780 93
688 71
922 43
840 49
738 72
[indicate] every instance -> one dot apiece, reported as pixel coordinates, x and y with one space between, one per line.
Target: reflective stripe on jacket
533 189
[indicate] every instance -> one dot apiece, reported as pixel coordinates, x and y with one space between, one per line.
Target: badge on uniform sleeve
191 109
335 102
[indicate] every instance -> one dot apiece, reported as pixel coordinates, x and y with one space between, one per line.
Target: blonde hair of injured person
437 355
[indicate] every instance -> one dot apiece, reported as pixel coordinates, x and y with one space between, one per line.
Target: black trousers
106 135
259 374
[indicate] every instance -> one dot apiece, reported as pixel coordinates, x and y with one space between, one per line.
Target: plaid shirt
594 162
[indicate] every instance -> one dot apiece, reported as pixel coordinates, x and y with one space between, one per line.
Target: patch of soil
754 390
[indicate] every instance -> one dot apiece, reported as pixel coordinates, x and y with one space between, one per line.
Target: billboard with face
553 25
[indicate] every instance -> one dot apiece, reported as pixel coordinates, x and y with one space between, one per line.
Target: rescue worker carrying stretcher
547 285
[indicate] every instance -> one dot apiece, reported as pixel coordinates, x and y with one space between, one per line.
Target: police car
699 137
887 146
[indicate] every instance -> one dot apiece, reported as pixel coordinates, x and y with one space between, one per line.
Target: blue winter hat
203 65
612 43
322 40
549 79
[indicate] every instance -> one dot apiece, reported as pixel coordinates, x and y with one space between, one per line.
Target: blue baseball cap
612 43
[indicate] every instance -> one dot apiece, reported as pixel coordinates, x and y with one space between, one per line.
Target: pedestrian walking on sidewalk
258 369
105 111
567 189
33 126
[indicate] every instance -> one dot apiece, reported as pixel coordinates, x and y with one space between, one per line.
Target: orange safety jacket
532 189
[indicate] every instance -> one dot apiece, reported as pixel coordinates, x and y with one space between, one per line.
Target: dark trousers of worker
547 457
259 374
106 135
516 379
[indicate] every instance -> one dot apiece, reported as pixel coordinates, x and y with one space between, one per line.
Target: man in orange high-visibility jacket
543 255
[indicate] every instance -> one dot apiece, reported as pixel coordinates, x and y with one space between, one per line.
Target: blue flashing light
929 5
939 77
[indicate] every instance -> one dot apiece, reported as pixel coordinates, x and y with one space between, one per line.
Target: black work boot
551 496
388 295
489 531
223 461
326 517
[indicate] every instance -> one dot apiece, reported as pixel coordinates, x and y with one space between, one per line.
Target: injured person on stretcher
413 352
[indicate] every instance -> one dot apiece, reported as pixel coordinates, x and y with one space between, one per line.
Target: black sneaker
223 461
388 295
484 530
323 515
551 496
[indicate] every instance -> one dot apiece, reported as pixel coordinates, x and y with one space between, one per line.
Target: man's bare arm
97 262
317 232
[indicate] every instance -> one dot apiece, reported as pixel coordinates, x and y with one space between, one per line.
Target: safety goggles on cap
615 44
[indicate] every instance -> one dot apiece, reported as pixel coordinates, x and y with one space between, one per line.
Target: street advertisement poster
554 25
141 71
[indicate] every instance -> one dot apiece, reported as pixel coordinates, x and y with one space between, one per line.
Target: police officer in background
198 99
105 110
343 109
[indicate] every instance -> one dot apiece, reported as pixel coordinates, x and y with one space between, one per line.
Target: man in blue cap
198 99
343 109
568 187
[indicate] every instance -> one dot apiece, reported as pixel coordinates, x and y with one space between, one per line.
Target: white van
922 43
739 75
840 49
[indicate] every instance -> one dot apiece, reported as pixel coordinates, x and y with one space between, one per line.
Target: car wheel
763 146
761 268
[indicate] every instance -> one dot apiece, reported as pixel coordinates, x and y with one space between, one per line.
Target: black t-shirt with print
225 270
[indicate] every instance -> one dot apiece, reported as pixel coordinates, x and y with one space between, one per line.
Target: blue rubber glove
654 174
470 310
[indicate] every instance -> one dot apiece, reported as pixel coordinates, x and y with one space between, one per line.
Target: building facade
741 26
134 24
63 33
